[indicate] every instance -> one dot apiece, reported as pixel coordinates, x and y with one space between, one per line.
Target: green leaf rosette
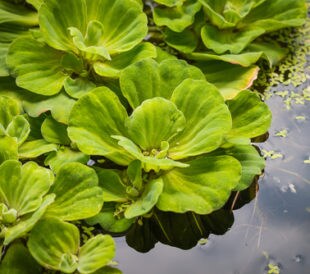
56 245
175 123
77 42
23 199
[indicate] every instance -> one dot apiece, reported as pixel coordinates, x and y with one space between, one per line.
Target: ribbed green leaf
228 13
114 190
94 118
124 23
154 121
237 78
24 186
276 14
250 116
54 132
207 119
96 253
8 149
252 163
56 159
244 59
26 224
147 79
59 105
8 109
35 148
202 188
54 244
56 17
177 18
78 87
185 41
77 193
147 200
19 128
25 59
149 160
120 61
221 41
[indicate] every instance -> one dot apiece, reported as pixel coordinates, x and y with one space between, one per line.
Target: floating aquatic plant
101 123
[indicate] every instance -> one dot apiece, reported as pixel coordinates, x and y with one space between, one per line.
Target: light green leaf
237 78
112 186
59 105
10 172
56 17
154 121
202 188
207 119
77 193
8 149
169 3
18 260
97 252
271 51
273 15
25 59
24 190
78 87
94 118
26 224
4 48
250 116
131 26
228 13
147 200
155 80
221 41
9 108
91 45
252 163
55 132
120 61
35 148
149 162
177 18
17 14
19 128
54 244
244 59
185 41
56 159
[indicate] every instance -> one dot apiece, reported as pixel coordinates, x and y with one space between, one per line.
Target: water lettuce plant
228 35
102 123
76 41
174 134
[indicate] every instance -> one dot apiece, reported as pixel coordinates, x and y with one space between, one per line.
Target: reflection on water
270 234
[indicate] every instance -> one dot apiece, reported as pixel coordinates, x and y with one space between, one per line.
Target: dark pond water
270 234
